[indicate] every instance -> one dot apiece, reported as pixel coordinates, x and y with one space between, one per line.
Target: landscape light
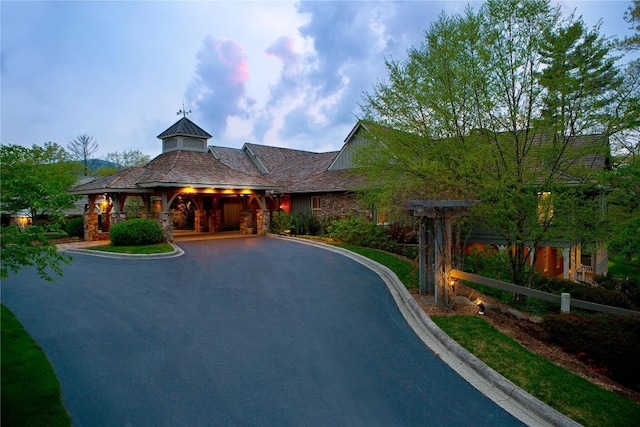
480 305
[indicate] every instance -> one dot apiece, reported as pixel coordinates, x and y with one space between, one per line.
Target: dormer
184 135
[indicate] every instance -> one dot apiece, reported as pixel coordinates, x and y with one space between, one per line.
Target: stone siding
340 205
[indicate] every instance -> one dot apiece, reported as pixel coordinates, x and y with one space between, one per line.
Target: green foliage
136 232
628 286
488 262
75 227
30 390
491 105
361 232
127 159
609 344
606 293
159 248
406 271
304 223
626 244
36 179
281 222
29 247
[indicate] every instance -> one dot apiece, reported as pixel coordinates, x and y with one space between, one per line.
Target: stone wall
340 205
201 223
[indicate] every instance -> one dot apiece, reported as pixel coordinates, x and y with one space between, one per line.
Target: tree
34 180
82 148
127 159
29 247
632 16
491 106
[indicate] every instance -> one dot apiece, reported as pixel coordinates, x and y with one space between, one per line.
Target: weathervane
183 111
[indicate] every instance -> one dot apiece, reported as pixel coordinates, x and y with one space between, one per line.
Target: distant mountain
95 164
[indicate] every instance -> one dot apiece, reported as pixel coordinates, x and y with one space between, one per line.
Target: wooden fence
564 300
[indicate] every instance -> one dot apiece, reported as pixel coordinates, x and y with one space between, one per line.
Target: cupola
184 135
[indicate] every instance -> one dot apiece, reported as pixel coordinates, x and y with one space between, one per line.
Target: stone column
117 218
200 221
246 223
164 219
263 218
91 226
215 221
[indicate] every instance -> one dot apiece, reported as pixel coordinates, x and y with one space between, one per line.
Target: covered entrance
185 188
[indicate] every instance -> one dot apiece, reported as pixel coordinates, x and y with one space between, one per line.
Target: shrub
280 222
304 223
75 227
609 344
361 232
489 262
136 232
585 292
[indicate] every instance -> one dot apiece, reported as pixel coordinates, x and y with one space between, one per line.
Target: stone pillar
215 221
164 219
91 226
200 221
246 223
263 218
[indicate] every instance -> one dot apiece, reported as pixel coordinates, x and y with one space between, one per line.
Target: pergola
436 242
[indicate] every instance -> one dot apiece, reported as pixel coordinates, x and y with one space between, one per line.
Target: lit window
315 205
545 206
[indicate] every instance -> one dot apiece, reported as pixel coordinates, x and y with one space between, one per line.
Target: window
545 207
315 205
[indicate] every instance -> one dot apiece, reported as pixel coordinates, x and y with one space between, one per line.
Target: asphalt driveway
246 331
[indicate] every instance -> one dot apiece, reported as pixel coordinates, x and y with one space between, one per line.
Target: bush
585 292
75 227
280 222
489 262
609 344
136 232
304 223
361 232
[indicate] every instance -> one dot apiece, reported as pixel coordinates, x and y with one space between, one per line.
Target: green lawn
617 269
160 248
570 394
406 271
30 389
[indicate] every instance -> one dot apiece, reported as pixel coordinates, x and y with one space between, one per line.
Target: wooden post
422 256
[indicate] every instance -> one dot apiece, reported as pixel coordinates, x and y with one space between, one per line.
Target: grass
159 248
568 393
618 269
405 270
30 389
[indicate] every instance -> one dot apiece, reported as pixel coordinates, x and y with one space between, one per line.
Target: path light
480 305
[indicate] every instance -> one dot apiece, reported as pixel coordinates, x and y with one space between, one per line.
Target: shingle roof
124 181
199 169
184 127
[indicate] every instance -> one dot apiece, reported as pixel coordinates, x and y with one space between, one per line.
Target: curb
177 251
519 403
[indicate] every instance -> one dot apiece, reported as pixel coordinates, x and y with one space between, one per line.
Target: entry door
231 209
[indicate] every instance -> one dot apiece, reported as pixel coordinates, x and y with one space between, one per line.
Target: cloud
218 88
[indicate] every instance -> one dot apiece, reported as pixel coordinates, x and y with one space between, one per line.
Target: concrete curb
177 251
503 392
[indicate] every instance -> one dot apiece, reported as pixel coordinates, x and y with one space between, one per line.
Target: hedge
136 232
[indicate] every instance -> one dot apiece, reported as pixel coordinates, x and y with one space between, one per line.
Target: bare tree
82 148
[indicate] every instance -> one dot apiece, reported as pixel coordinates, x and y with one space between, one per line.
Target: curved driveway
246 331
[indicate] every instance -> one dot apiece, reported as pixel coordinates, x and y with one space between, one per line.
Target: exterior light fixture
480 305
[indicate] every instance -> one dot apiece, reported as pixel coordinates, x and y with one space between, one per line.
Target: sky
281 73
